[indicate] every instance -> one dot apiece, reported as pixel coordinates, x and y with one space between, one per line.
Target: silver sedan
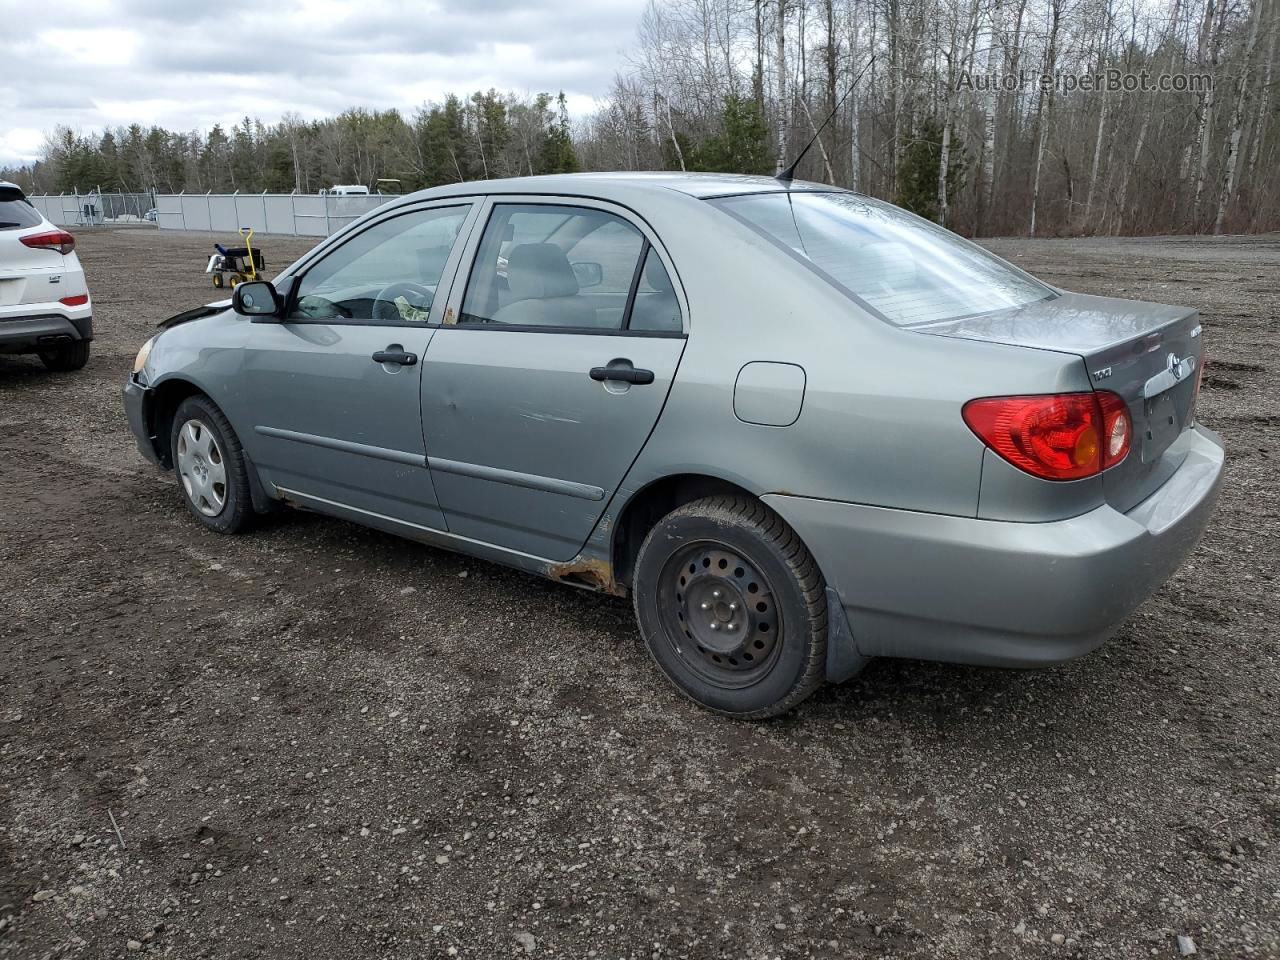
800 428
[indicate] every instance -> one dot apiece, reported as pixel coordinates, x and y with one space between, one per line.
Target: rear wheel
217 280
732 607
210 466
66 356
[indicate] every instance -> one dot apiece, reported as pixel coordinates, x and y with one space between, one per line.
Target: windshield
905 269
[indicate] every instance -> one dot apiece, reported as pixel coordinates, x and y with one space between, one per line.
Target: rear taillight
77 301
1117 428
1064 436
58 240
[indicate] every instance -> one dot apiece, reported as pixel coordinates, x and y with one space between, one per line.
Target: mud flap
262 501
843 659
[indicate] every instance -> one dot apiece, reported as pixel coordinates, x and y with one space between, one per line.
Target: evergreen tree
215 161
112 176
491 133
918 170
441 144
741 146
557 154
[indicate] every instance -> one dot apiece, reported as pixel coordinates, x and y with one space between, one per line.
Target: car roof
8 187
623 186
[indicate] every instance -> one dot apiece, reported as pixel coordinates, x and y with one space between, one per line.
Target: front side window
389 272
540 265
906 269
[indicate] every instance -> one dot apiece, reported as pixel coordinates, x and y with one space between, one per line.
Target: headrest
538 270
655 274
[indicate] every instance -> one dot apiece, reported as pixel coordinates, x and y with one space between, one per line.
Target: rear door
332 391
545 380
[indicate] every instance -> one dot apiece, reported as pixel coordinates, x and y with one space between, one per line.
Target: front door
549 373
333 389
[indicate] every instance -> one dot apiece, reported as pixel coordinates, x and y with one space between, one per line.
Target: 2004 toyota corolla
800 427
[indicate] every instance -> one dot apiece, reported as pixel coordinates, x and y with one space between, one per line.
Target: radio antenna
788 173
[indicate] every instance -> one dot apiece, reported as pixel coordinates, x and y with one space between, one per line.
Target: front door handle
395 354
625 374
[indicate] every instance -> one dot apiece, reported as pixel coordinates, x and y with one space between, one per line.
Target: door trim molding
476 471
346 446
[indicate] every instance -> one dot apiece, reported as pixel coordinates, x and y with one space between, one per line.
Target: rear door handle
395 356
624 374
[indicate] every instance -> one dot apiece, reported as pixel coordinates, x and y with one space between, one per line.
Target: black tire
733 562
66 357
235 512
217 280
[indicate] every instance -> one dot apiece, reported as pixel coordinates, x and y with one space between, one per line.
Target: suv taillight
1063 436
58 240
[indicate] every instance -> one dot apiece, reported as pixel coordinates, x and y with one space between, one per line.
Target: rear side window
387 273
655 307
563 267
904 268
17 214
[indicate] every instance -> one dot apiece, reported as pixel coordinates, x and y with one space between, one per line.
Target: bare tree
1237 118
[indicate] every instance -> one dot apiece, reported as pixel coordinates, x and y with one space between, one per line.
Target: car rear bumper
1001 593
137 409
27 334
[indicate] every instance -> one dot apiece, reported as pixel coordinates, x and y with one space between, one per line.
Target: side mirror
256 298
589 274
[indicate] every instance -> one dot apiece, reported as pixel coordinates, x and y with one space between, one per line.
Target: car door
538 390
333 389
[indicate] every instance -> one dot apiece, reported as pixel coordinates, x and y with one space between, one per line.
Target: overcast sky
186 64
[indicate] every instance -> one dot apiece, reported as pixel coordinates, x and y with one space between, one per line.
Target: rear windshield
17 214
904 268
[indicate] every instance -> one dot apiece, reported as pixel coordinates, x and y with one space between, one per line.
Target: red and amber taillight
58 240
1063 436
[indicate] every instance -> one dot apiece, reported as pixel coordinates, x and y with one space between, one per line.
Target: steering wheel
385 307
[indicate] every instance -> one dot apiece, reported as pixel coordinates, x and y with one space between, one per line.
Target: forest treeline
971 112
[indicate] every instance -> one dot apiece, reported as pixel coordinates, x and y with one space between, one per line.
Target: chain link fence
291 214
95 208
296 214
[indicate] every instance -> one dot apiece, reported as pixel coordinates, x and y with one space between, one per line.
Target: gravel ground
320 741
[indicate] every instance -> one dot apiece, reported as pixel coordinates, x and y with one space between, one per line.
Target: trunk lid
1148 353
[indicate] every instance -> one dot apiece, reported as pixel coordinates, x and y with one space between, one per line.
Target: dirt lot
319 741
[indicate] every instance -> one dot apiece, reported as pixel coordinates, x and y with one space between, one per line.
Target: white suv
44 302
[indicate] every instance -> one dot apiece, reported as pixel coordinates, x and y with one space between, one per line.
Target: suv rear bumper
29 334
1001 593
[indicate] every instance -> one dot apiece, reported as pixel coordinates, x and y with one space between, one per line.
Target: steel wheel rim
719 614
202 468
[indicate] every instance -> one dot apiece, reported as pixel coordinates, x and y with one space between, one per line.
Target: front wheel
210 466
732 607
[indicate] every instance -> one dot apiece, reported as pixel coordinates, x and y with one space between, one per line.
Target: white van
347 190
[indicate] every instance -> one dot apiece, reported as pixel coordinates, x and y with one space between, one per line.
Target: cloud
113 62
